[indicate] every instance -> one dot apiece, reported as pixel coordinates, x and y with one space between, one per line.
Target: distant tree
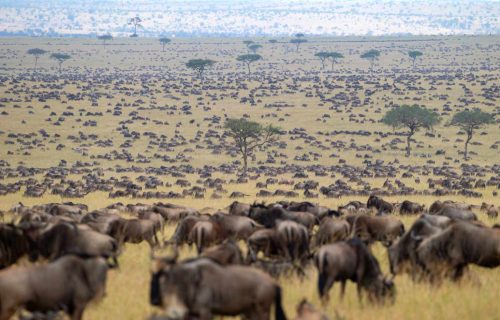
371 55
60 57
470 121
254 47
247 42
104 38
164 41
300 35
411 117
199 65
136 22
297 42
249 135
335 56
248 59
322 55
414 55
37 53
273 41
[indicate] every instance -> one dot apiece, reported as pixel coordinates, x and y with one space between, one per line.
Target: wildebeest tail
154 290
200 237
321 264
278 309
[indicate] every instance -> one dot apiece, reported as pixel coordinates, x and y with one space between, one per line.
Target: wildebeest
200 288
456 213
306 311
382 206
268 215
236 227
139 230
408 207
239 209
331 230
183 229
265 240
293 238
385 229
68 284
351 260
13 244
224 253
450 251
205 233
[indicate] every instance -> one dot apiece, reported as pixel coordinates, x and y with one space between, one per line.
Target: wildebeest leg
458 272
342 290
360 296
6 313
325 283
77 314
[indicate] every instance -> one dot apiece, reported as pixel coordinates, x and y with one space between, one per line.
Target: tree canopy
199 65
60 57
412 117
469 121
273 41
297 42
254 47
136 22
164 41
104 38
249 135
36 52
323 55
414 54
371 55
248 59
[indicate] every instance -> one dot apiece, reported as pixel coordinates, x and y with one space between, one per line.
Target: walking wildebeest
408 207
382 206
68 284
385 229
200 288
351 260
225 253
332 230
293 238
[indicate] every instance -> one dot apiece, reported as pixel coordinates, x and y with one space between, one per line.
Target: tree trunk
163 48
248 66
333 64
323 63
36 61
245 163
408 147
60 67
469 137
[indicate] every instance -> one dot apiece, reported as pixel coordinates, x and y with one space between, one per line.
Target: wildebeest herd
242 253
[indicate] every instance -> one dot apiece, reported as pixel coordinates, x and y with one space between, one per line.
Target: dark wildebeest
63 239
332 230
201 288
385 229
265 240
138 230
293 238
403 253
155 217
183 229
490 210
205 233
13 244
351 260
173 213
225 253
450 251
68 284
408 207
267 216
316 210
236 227
382 206
438 205
239 209
306 311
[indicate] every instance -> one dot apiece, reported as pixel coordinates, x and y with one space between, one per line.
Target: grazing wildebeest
13 244
351 260
183 229
239 209
382 206
267 216
265 240
206 233
293 238
332 230
385 229
68 284
438 205
403 253
408 207
173 213
450 251
236 227
200 288
225 253
305 206
306 311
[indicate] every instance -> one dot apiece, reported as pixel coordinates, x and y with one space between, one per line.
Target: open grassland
99 113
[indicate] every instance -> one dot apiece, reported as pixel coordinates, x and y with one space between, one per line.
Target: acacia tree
164 41
411 117
37 53
323 55
254 47
199 65
248 59
60 57
104 38
414 54
469 121
297 42
249 135
371 55
136 22
334 56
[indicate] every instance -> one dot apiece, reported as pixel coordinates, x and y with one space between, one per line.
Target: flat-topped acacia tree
37 53
371 55
60 58
469 121
254 47
297 42
104 38
199 65
248 135
248 59
411 117
414 54
322 55
164 41
335 56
